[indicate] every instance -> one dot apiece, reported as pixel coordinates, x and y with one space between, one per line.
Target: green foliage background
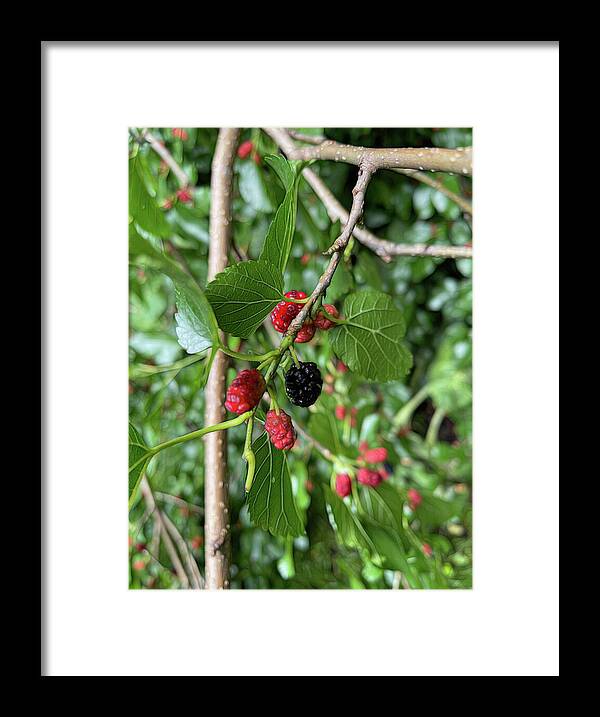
435 298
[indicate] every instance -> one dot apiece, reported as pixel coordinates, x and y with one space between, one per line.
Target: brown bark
216 488
435 159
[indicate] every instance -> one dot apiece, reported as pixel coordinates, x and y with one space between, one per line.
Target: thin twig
365 171
319 446
193 571
155 542
308 138
463 203
337 248
170 548
166 156
176 500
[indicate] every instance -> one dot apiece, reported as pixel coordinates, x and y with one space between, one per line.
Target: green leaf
287 171
270 501
434 511
369 342
197 328
139 457
278 242
384 504
243 295
322 426
349 528
388 544
450 371
142 207
252 187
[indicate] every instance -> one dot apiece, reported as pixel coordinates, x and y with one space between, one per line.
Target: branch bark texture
434 159
216 489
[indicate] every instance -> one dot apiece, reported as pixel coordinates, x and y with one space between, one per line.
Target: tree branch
358 202
194 574
167 157
216 489
336 250
433 159
385 249
463 203
325 452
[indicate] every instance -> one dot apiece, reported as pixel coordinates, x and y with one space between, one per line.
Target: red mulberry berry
414 498
256 158
245 391
180 133
285 312
427 549
244 149
306 332
368 477
341 367
321 319
280 430
376 455
343 485
184 195
168 203
340 412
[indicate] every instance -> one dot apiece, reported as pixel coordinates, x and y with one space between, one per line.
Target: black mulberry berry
303 384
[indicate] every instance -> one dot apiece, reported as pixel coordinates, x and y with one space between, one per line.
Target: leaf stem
404 415
147 370
248 454
333 319
202 432
248 357
434 426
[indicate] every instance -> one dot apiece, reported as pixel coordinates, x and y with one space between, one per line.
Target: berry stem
273 397
294 356
248 454
265 363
